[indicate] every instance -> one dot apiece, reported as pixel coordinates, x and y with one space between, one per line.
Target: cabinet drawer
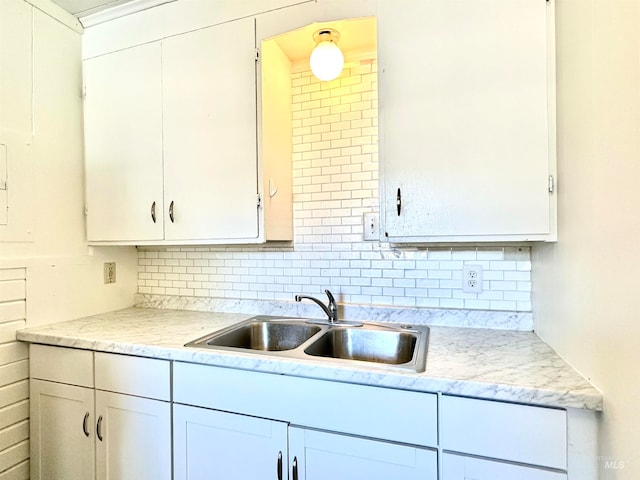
143 377
63 365
460 467
518 433
385 413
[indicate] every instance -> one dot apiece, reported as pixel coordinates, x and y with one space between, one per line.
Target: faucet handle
332 307
330 296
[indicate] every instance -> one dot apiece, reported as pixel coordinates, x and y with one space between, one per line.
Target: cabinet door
315 455
459 467
133 437
212 444
62 431
209 101
464 119
123 145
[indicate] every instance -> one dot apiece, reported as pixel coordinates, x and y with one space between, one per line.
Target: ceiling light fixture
326 59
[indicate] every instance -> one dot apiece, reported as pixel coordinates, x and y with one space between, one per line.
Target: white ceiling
81 8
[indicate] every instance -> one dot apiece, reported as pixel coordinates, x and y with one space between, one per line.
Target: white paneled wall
335 181
14 375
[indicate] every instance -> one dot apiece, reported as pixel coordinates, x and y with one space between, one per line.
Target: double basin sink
390 346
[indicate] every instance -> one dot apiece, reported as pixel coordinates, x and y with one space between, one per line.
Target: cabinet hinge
257 53
259 200
84 91
551 184
86 211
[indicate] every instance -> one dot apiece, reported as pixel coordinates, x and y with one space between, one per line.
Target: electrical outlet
472 279
110 272
370 222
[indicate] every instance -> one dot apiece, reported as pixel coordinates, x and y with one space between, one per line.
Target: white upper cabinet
466 120
123 145
171 133
209 106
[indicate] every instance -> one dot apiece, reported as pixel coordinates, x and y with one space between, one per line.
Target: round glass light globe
326 61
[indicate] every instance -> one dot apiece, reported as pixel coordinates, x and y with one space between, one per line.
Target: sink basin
255 334
384 345
366 345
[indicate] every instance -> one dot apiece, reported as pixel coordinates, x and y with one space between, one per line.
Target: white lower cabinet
133 437
284 427
460 467
62 431
214 444
488 440
317 455
104 416
79 431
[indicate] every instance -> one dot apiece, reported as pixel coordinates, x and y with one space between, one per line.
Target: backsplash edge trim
489 319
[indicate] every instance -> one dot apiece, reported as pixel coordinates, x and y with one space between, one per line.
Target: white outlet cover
472 278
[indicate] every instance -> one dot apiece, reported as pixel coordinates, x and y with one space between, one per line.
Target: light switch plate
110 272
371 226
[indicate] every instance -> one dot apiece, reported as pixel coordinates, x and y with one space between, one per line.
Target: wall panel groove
14 377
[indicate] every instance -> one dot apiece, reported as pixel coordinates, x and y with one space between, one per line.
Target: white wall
64 276
585 287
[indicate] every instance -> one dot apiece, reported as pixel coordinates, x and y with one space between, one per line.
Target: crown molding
121 10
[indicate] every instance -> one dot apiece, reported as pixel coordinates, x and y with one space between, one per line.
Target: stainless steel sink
260 334
389 346
365 345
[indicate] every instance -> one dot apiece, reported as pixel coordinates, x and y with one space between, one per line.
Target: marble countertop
491 364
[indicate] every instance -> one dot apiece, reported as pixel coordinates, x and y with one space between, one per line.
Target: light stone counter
491 364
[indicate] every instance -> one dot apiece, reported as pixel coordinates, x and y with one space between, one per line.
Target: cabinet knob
399 201
99 428
85 424
153 212
171 211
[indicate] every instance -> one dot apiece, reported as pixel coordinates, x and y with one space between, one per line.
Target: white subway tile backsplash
335 181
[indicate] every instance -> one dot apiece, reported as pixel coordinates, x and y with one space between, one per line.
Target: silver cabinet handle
399 201
85 424
99 428
171 211
279 466
295 468
153 212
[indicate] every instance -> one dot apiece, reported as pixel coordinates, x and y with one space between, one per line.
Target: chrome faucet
331 310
